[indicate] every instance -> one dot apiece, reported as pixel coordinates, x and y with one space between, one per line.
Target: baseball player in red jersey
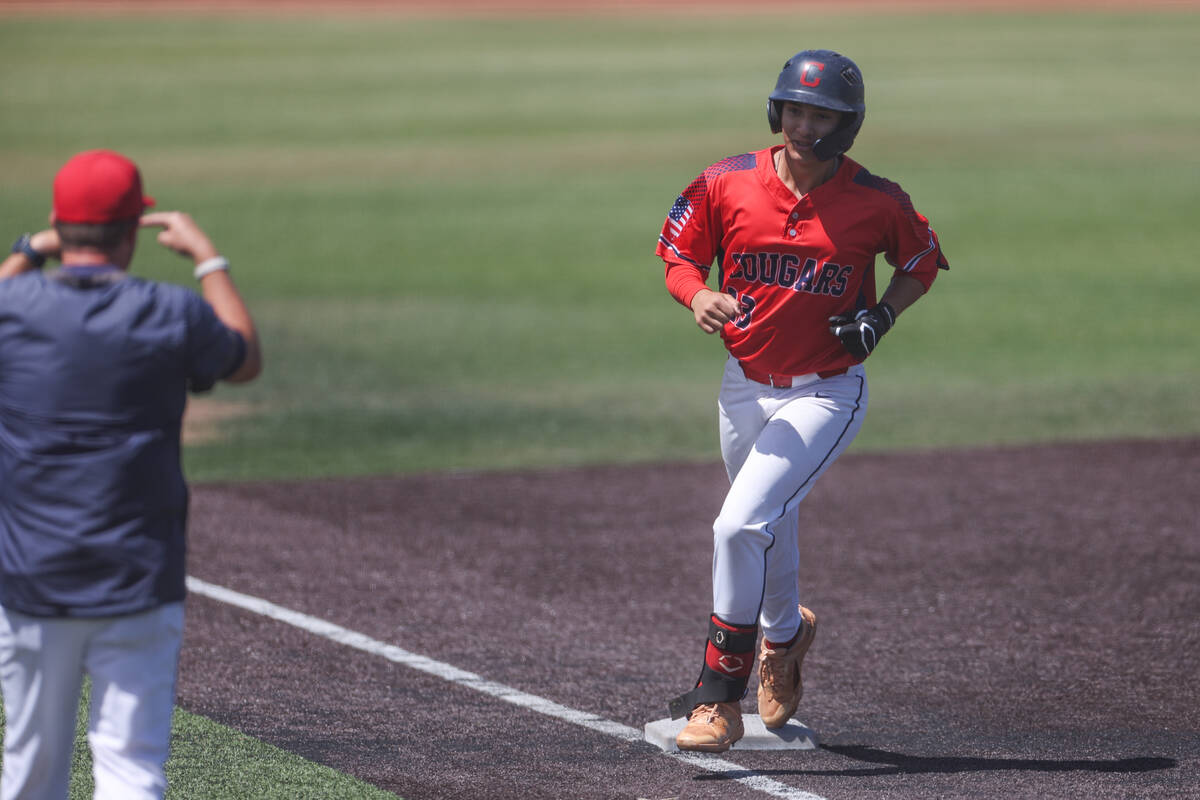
795 230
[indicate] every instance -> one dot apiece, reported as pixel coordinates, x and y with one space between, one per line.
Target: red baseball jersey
792 262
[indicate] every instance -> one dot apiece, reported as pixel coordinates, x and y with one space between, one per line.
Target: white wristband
214 264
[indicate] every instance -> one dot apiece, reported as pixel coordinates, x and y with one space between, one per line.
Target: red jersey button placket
792 226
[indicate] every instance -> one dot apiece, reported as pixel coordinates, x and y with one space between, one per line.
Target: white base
792 736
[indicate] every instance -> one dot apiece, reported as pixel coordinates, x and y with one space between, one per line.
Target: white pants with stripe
132 661
776 443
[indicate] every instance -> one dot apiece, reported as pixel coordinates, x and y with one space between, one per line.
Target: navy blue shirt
95 366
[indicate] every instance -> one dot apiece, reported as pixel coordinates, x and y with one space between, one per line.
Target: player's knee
724 531
733 531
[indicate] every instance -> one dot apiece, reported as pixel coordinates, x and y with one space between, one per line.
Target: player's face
803 125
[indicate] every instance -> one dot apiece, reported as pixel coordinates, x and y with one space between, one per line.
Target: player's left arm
30 252
902 292
914 250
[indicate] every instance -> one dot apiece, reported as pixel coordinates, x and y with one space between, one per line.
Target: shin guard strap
731 638
712 688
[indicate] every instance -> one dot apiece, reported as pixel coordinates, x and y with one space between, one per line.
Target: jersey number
747 303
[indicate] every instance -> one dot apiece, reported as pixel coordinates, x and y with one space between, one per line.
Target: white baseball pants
776 443
133 662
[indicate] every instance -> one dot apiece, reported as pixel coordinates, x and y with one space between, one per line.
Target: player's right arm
181 234
713 309
687 245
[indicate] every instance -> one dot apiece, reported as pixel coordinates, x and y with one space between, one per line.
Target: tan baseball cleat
712 728
780 685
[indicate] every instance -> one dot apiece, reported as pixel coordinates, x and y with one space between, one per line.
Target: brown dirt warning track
994 623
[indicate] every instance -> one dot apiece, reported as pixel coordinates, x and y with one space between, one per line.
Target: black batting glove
861 332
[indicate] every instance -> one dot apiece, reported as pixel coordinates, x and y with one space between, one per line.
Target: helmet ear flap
839 141
773 116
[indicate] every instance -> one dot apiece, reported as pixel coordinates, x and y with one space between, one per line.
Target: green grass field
446 228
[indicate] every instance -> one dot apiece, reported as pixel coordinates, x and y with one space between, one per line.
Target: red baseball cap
99 186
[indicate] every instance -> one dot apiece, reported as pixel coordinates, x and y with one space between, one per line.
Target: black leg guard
734 653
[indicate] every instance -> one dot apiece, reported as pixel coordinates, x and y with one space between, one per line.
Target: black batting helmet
826 79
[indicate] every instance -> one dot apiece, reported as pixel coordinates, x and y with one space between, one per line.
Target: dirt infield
993 623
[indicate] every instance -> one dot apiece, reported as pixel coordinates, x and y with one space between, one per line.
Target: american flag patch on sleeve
679 215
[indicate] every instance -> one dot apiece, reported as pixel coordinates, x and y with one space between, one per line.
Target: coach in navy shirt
95 367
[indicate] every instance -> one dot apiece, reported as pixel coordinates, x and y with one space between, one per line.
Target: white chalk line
452 674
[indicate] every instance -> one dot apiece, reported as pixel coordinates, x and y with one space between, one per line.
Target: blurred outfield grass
446 227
